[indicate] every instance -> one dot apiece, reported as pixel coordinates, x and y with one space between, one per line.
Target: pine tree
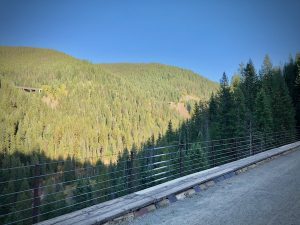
100 189
50 207
226 114
83 194
282 110
195 122
7 199
69 170
240 112
23 205
266 74
250 86
297 103
291 73
214 132
263 113
170 133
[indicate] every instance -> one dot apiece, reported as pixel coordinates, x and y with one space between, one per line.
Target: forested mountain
88 109
128 110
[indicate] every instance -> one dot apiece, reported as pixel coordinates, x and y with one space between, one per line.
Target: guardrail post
181 160
251 150
130 173
36 194
261 143
213 152
265 141
236 149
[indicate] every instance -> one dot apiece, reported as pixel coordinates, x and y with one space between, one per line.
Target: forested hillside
128 110
263 101
86 109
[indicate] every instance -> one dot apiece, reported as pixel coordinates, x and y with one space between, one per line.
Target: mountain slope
89 109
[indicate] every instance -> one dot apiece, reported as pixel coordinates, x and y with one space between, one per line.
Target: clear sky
206 36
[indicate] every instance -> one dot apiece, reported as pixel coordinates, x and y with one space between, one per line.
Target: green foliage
226 110
282 109
23 206
86 109
95 128
263 113
53 204
83 194
249 87
291 72
252 105
240 111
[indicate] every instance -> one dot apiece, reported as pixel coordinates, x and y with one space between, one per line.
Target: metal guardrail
55 188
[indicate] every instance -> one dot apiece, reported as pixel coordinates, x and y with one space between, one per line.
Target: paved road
267 194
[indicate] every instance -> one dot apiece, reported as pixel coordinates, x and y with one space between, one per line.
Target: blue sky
208 37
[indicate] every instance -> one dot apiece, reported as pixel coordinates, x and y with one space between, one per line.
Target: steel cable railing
133 174
82 159
78 169
89 184
114 172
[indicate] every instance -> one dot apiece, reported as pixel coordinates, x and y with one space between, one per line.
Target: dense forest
86 109
57 135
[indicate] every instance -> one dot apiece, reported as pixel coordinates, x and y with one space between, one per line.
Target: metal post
130 173
265 141
36 195
180 160
149 156
214 155
261 143
251 150
236 149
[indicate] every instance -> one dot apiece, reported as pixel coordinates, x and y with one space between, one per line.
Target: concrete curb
139 203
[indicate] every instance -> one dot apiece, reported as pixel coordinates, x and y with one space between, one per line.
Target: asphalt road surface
267 194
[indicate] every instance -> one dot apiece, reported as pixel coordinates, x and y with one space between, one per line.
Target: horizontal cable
76 180
145 149
256 147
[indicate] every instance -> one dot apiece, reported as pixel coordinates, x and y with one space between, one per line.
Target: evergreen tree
263 113
282 110
100 189
291 73
250 87
266 74
240 112
135 169
226 110
69 170
170 133
297 102
23 210
53 204
82 194
213 121
195 122
7 199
